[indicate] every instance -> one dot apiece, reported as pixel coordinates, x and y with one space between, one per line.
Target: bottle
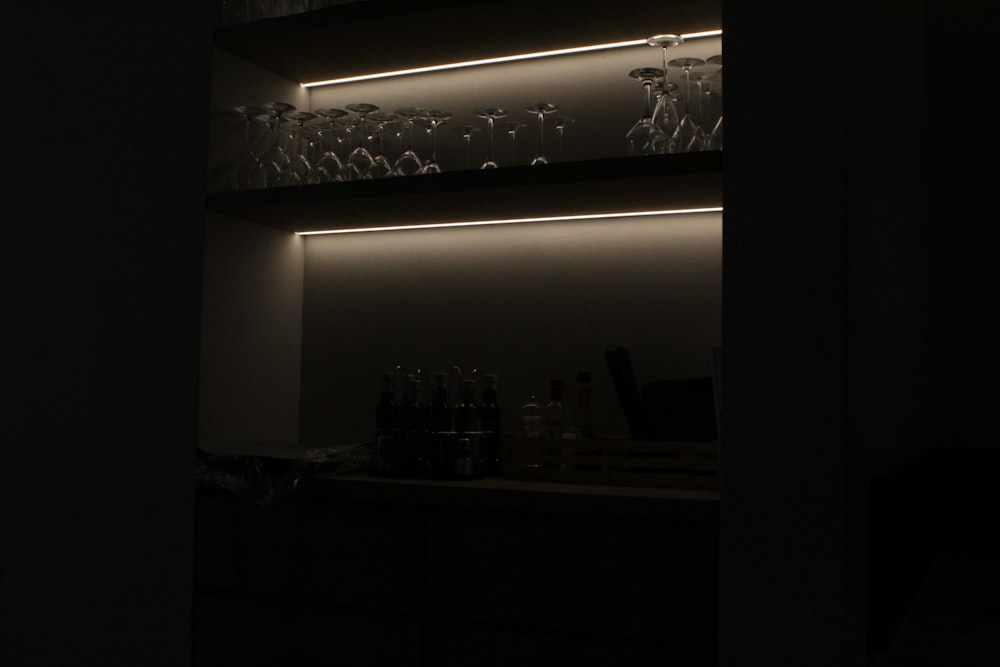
553 412
441 443
489 417
385 459
582 415
531 418
413 421
469 419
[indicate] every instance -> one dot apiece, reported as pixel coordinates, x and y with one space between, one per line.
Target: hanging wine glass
715 136
360 159
686 135
540 109
246 163
408 162
329 165
466 132
381 166
296 171
639 137
513 127
274 159
491 114
435 118
665 118
562 122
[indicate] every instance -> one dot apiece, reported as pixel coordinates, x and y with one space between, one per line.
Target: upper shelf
690 180
385 35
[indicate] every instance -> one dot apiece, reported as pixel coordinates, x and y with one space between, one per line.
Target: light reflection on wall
529 302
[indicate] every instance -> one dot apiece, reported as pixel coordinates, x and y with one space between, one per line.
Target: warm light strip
501 59
512 221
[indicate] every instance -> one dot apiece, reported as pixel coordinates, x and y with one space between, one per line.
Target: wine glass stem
541 134
489 128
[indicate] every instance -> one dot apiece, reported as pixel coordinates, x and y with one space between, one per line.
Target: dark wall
104 141
859 294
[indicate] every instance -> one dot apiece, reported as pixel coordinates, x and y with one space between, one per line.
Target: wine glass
297 170
490 114
248 161
715 136
686 135
434 118
273 160
513 127
665 118
638 139
466 132
408 162
380 165
360 159
562 122
540 109
329 165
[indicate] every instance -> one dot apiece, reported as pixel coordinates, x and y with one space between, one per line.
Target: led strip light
502 59
513 221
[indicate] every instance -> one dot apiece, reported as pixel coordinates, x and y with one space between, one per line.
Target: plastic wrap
263 480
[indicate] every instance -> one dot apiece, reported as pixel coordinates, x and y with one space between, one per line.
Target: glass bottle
553 412
531 418
489 417
440 450
414 426
386 456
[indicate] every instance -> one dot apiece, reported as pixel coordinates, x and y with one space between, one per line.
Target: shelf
379 35
594 186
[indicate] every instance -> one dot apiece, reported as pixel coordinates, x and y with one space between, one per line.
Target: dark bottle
489 418
413 421
553 414
386 455
469 462
583 426
440 450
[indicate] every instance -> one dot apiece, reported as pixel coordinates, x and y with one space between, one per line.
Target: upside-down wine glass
408 162
381 166
296 172
513 127
244 166
665 118
273 160
639 137
360 159
491 114
466 132
562 122
540 109
686 135
329 164
715 136
434 118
